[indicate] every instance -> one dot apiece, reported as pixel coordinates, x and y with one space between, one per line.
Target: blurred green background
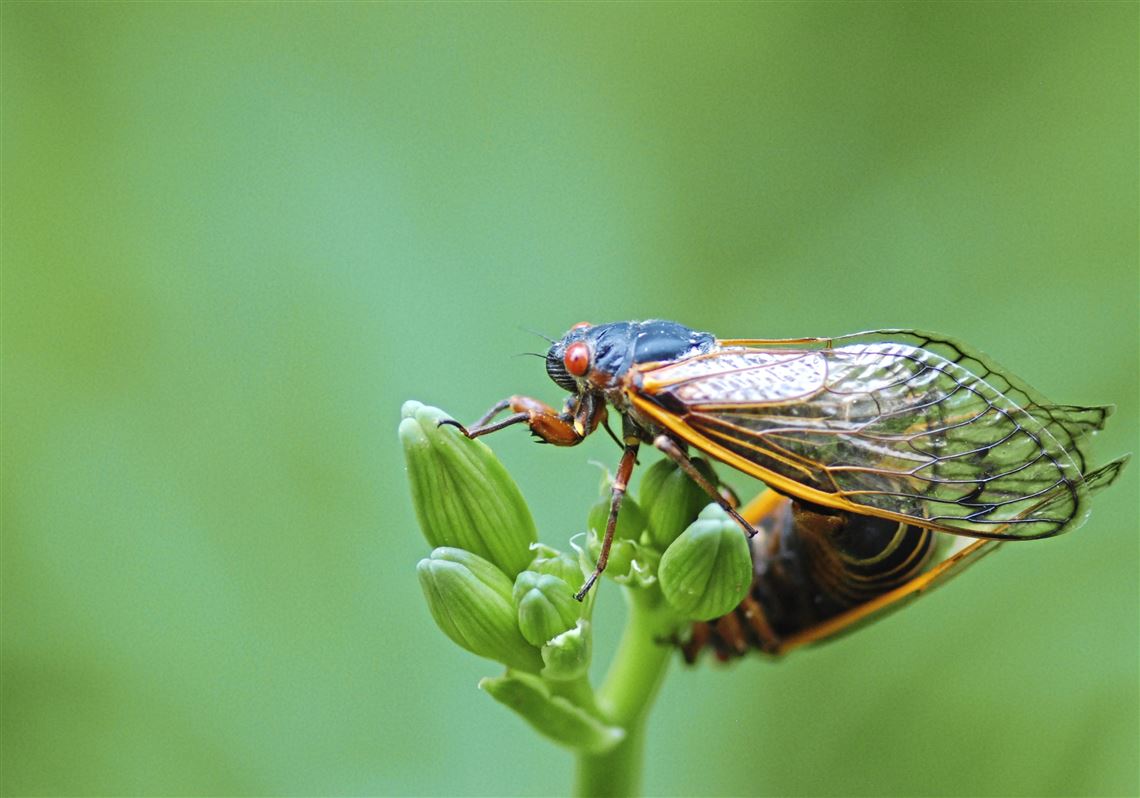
237 236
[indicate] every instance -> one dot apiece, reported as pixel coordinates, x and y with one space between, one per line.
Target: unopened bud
671 499
546 606
631 521
464 497
631 563
707 571
562 564
567 656
470 600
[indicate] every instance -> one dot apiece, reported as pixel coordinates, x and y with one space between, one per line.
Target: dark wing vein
1069 424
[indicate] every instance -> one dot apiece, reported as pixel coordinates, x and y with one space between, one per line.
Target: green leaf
551 715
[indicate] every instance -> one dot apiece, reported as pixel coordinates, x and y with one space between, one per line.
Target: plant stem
634 677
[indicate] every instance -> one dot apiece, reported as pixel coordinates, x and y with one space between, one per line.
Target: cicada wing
1067 423
884 428
1104 476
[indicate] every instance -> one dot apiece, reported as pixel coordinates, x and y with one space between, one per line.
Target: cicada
893 458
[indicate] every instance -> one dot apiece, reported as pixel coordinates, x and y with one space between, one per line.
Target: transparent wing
932 433
1067 423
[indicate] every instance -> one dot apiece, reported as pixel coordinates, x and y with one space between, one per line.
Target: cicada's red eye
577 358
581 325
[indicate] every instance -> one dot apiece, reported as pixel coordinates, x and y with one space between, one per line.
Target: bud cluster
675 538
497 592
489 585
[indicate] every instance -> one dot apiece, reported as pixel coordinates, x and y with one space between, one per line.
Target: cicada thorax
810 564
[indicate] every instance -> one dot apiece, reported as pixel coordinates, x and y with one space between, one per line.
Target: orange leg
617 493
671 450
567 428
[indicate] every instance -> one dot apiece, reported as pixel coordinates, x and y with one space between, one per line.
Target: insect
873 446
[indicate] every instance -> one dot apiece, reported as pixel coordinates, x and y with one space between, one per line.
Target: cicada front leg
579 418
582 415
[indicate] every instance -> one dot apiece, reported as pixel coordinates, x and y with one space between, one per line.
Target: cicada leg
765 503
568 428
617 493
674 452
582 415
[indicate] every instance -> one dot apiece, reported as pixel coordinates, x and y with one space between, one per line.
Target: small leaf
567 656
551 715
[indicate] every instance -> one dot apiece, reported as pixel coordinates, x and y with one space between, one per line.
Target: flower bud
546 606
470 600
567 656
463 496
556 563
631 521
631 563
671 499
707 571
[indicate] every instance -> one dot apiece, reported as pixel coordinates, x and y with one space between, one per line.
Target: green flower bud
707 571
623 553
463 496
470 600
567 656
631 563
630 524
671 499
546 606
556 563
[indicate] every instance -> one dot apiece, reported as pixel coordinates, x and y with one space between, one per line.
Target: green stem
577 691
634 677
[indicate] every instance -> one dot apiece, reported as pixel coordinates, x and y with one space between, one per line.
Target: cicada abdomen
812 564
819 573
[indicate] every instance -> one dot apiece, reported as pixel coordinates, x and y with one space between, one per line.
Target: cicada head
569 358
597 356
